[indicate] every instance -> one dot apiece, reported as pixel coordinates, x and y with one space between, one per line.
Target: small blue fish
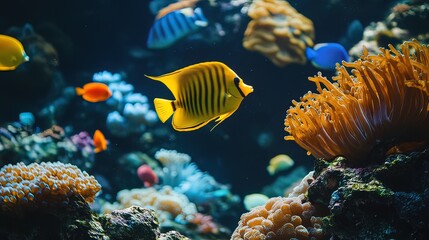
326 55
353 34
174 26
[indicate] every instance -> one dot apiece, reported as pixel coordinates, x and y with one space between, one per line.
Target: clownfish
99 141
12 53
203 92
94 92
326 55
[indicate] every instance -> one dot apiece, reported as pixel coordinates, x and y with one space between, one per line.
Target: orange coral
43 184
278 31
382 103
280 218
176 6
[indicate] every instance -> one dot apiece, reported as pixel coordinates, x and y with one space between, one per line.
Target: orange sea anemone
381 104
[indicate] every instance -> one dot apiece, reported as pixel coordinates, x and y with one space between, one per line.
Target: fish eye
236 81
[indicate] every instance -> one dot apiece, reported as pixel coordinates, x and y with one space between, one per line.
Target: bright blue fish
174 26
326 55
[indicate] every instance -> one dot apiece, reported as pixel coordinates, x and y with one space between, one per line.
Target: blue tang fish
174 26
326 55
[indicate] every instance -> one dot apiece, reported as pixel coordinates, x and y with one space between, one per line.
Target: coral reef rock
389 200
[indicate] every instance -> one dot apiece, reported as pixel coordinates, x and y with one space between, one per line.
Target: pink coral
205 223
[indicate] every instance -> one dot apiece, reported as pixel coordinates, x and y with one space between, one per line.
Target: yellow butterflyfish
203 92
12 53
254 200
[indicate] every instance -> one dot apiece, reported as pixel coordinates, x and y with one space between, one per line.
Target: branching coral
278 31
184 176
44 184
382 103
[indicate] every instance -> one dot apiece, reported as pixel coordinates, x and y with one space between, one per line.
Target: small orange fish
99 141
94 92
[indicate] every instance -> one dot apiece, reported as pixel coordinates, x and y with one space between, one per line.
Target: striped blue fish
174 26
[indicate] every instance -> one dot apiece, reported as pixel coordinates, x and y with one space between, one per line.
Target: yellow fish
203 92
253 200
12 53
279 163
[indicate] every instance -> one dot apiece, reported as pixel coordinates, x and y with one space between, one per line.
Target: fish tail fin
97 150
164 108
310 53
79 91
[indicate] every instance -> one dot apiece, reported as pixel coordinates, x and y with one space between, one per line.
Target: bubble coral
278 31
44 184
280 218
383 103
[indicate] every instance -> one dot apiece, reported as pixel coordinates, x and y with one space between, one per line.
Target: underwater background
74 43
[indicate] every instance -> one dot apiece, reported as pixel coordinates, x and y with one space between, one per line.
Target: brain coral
44 184
278 31
381 105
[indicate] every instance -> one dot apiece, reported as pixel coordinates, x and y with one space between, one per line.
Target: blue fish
175 26
353 34
326 55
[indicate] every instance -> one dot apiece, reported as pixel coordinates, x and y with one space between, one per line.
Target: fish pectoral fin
221 118
164 108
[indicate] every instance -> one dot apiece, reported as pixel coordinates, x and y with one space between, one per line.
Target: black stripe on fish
170 24
225 86
191 97
190 91
213 91
206 91
173 105
198 96
182 97
159 32
181 26
219 91
237 82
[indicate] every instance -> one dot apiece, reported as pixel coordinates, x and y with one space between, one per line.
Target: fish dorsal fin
174 79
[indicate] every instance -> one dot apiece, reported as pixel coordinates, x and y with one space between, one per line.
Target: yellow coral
46 183
278 31
384 102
